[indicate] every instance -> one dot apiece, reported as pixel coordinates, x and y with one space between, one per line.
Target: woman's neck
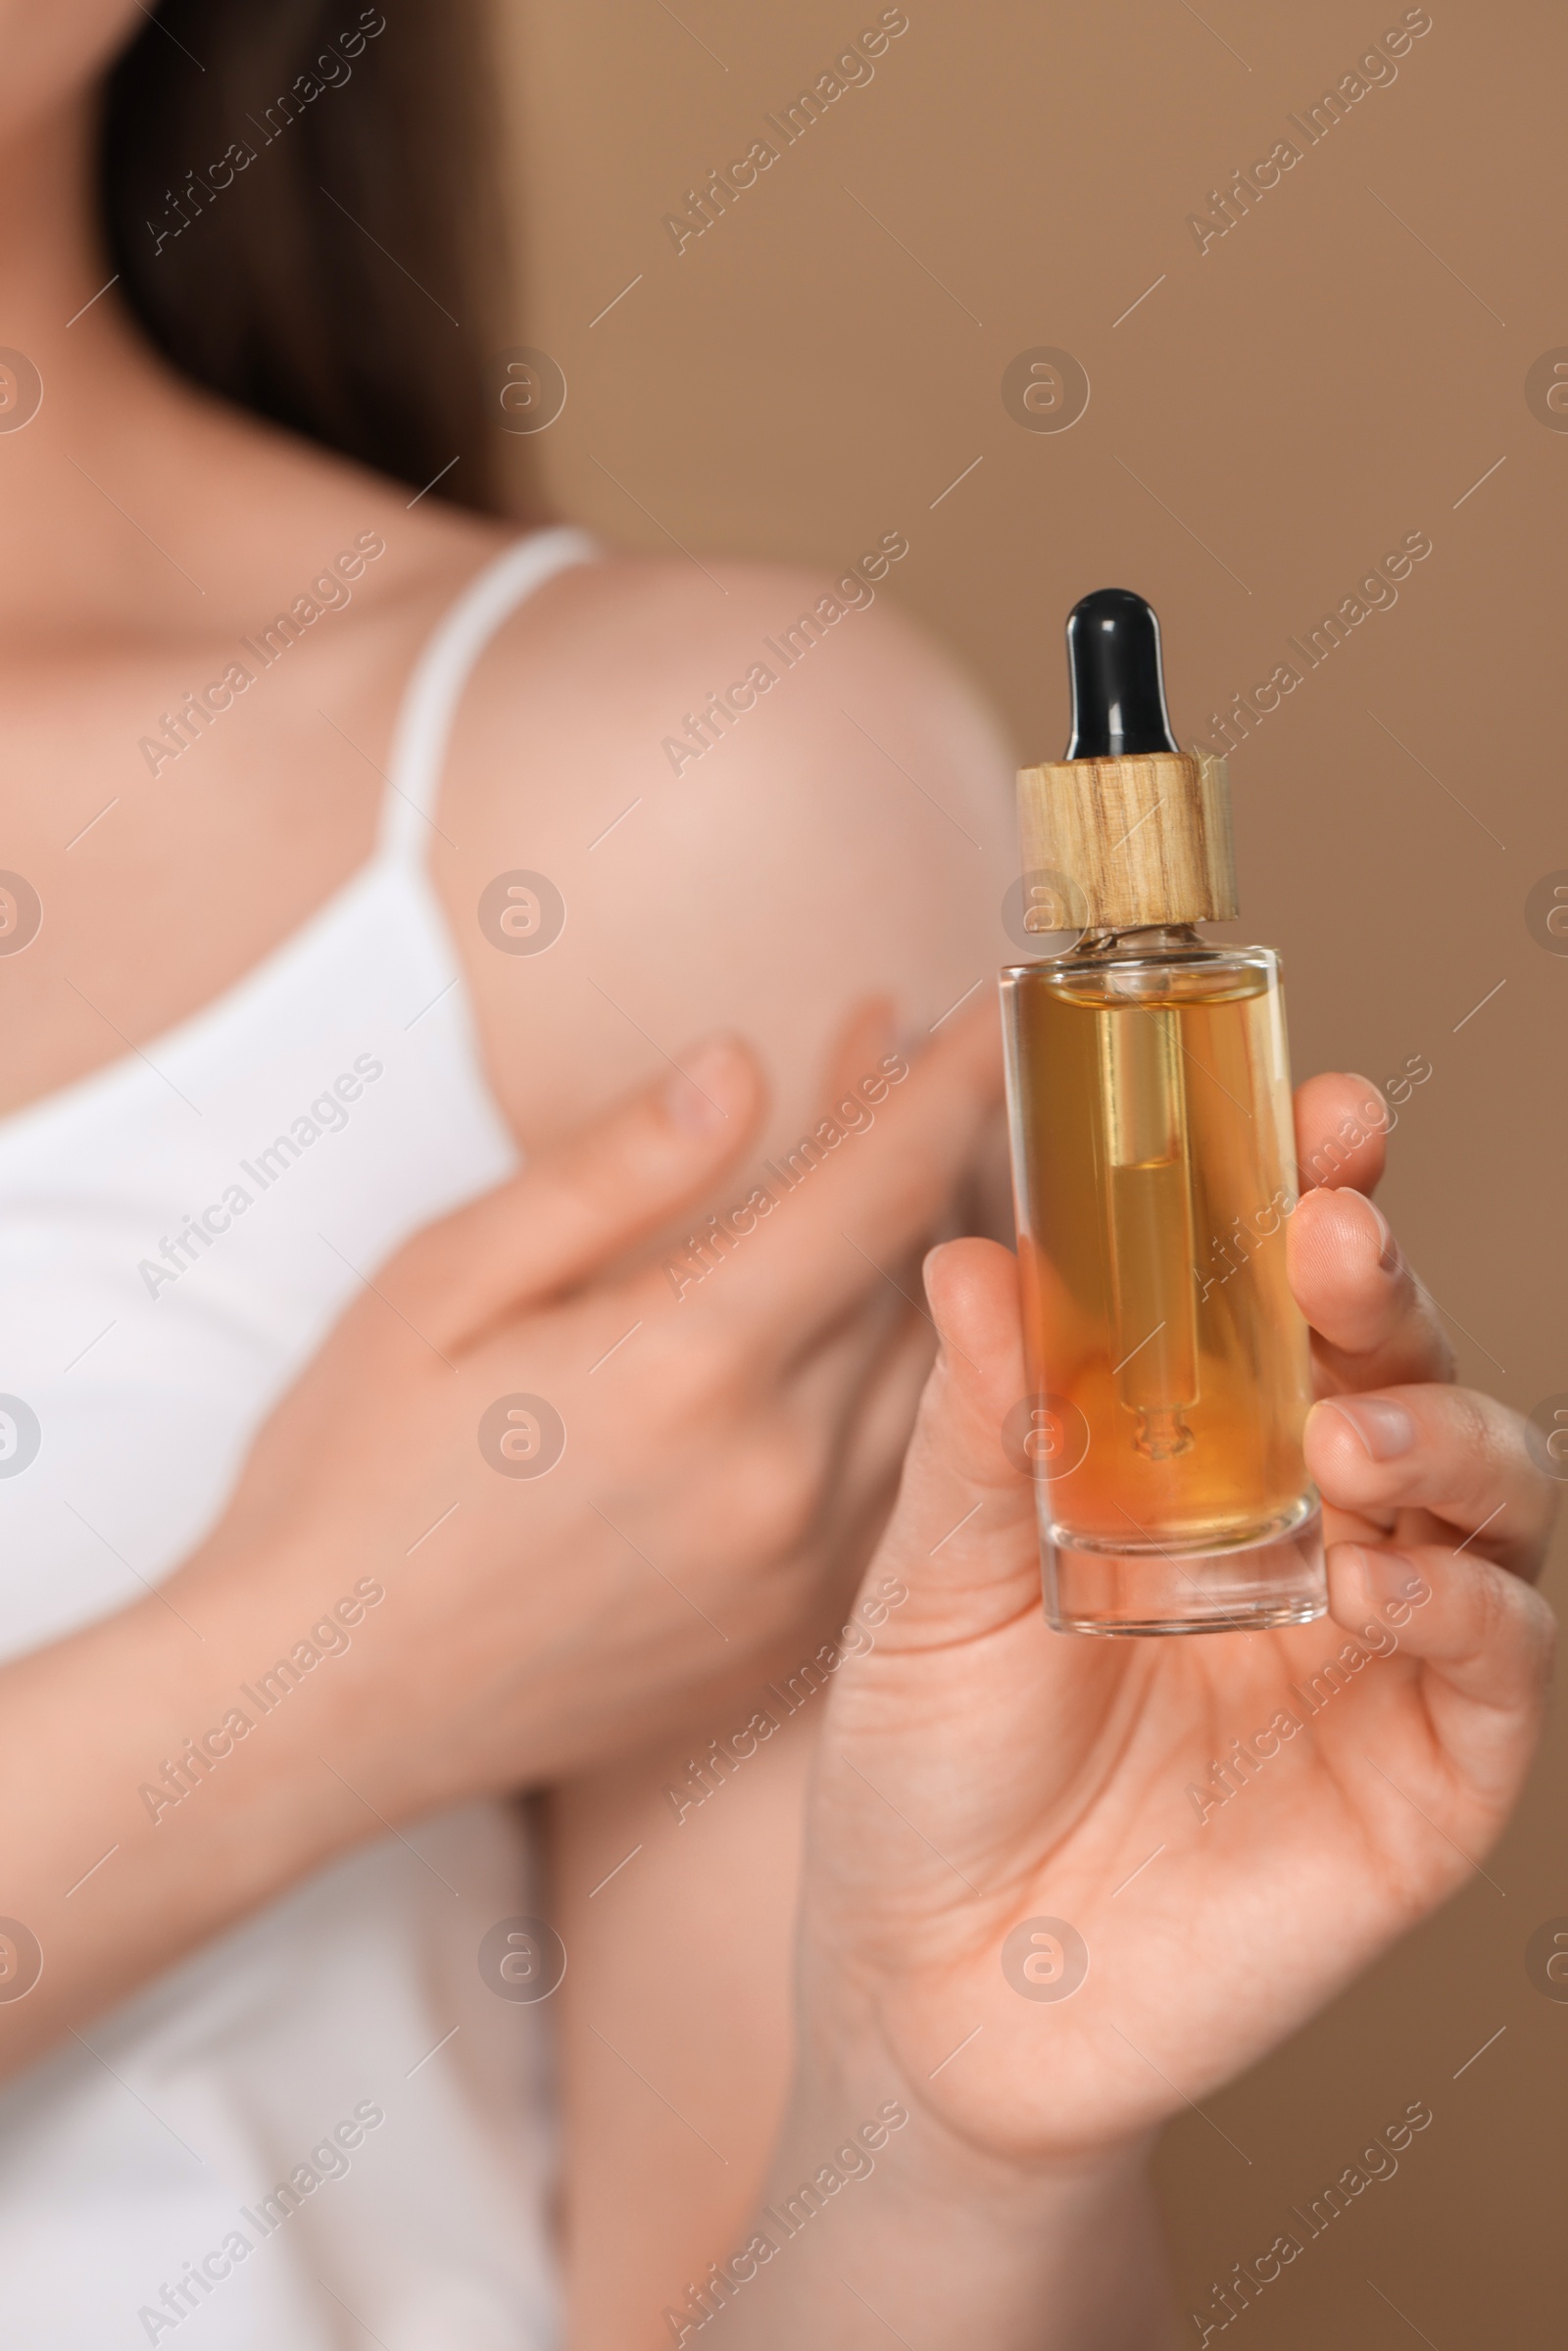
96 391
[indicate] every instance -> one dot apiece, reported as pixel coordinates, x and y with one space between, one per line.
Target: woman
294 1613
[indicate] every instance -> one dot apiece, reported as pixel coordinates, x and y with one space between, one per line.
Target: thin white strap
430 699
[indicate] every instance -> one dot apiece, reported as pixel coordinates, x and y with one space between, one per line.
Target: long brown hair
298 198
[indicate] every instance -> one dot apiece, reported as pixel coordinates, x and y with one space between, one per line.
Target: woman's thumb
965 1523
584 1202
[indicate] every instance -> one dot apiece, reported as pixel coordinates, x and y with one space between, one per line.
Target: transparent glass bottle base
1276 1579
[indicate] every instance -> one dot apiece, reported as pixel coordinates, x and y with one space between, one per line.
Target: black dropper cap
1118 688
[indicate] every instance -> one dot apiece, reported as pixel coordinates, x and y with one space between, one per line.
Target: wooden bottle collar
1125 843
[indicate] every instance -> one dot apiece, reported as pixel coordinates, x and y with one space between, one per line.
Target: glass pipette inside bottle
1118 711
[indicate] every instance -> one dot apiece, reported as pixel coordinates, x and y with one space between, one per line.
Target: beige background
1278 413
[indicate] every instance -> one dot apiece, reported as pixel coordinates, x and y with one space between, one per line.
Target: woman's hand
1056 1887
999 1808
719 1441
417 1596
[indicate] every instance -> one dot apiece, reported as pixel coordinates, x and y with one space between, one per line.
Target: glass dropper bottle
1155 1171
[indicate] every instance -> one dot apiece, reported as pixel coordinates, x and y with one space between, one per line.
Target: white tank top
131 2161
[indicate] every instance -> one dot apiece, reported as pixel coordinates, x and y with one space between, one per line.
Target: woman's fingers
1373 1321
1341 1122
1448 1451
856 1193
583 1205
866 1037
1485 1634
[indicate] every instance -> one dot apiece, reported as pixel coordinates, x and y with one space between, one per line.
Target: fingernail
712 1085
1389 1259
1383 1427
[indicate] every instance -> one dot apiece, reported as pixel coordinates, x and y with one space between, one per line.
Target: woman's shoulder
756 792
665 666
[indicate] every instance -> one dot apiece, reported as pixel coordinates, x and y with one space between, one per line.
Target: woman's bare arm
851 833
